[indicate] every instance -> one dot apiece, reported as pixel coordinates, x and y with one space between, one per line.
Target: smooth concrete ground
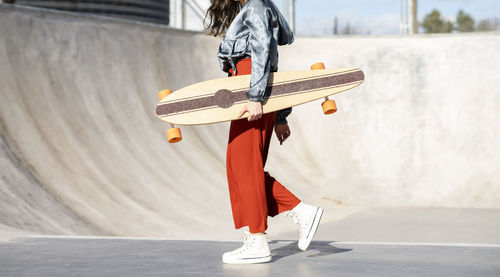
124 257
376 242
418 225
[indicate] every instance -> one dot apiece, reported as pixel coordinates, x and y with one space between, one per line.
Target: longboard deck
221 100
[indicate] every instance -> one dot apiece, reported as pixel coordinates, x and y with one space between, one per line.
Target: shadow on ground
320 248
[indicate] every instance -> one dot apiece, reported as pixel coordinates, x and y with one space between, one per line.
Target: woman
252 30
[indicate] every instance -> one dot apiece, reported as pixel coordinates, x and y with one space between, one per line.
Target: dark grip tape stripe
225 98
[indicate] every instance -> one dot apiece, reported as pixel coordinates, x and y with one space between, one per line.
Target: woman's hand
254 110
282 132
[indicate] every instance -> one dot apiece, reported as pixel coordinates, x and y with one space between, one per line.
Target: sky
316 17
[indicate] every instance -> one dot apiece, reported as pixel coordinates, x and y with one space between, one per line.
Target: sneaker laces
247 242
296 218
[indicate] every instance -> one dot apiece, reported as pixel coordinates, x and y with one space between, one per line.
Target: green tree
485 25
434 23
349 30
336 26
465 22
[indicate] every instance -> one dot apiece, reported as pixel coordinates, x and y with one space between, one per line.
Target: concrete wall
422 130
78 128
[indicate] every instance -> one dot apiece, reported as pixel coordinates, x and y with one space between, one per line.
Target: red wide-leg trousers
253 192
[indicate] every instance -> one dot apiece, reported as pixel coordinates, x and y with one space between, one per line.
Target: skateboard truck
173 134
328 105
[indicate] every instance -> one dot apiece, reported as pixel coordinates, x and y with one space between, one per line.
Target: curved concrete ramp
82 152
78 96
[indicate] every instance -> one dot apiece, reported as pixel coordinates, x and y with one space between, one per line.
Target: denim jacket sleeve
257 20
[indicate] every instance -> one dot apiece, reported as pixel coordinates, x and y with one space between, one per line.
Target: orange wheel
174 135
317 66
329 107
163 93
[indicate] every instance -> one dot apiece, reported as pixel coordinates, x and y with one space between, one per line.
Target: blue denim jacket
256 32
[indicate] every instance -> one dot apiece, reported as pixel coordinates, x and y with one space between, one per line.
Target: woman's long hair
220 15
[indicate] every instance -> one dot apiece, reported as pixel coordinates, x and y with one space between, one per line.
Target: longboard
222 99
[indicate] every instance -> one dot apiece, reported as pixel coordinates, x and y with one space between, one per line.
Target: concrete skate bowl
83 154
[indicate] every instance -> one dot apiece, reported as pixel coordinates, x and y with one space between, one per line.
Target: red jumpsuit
254 194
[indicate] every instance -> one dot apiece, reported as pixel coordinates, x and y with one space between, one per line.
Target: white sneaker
254 250
308 218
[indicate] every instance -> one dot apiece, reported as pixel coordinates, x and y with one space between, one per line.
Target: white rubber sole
247 260
312 230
